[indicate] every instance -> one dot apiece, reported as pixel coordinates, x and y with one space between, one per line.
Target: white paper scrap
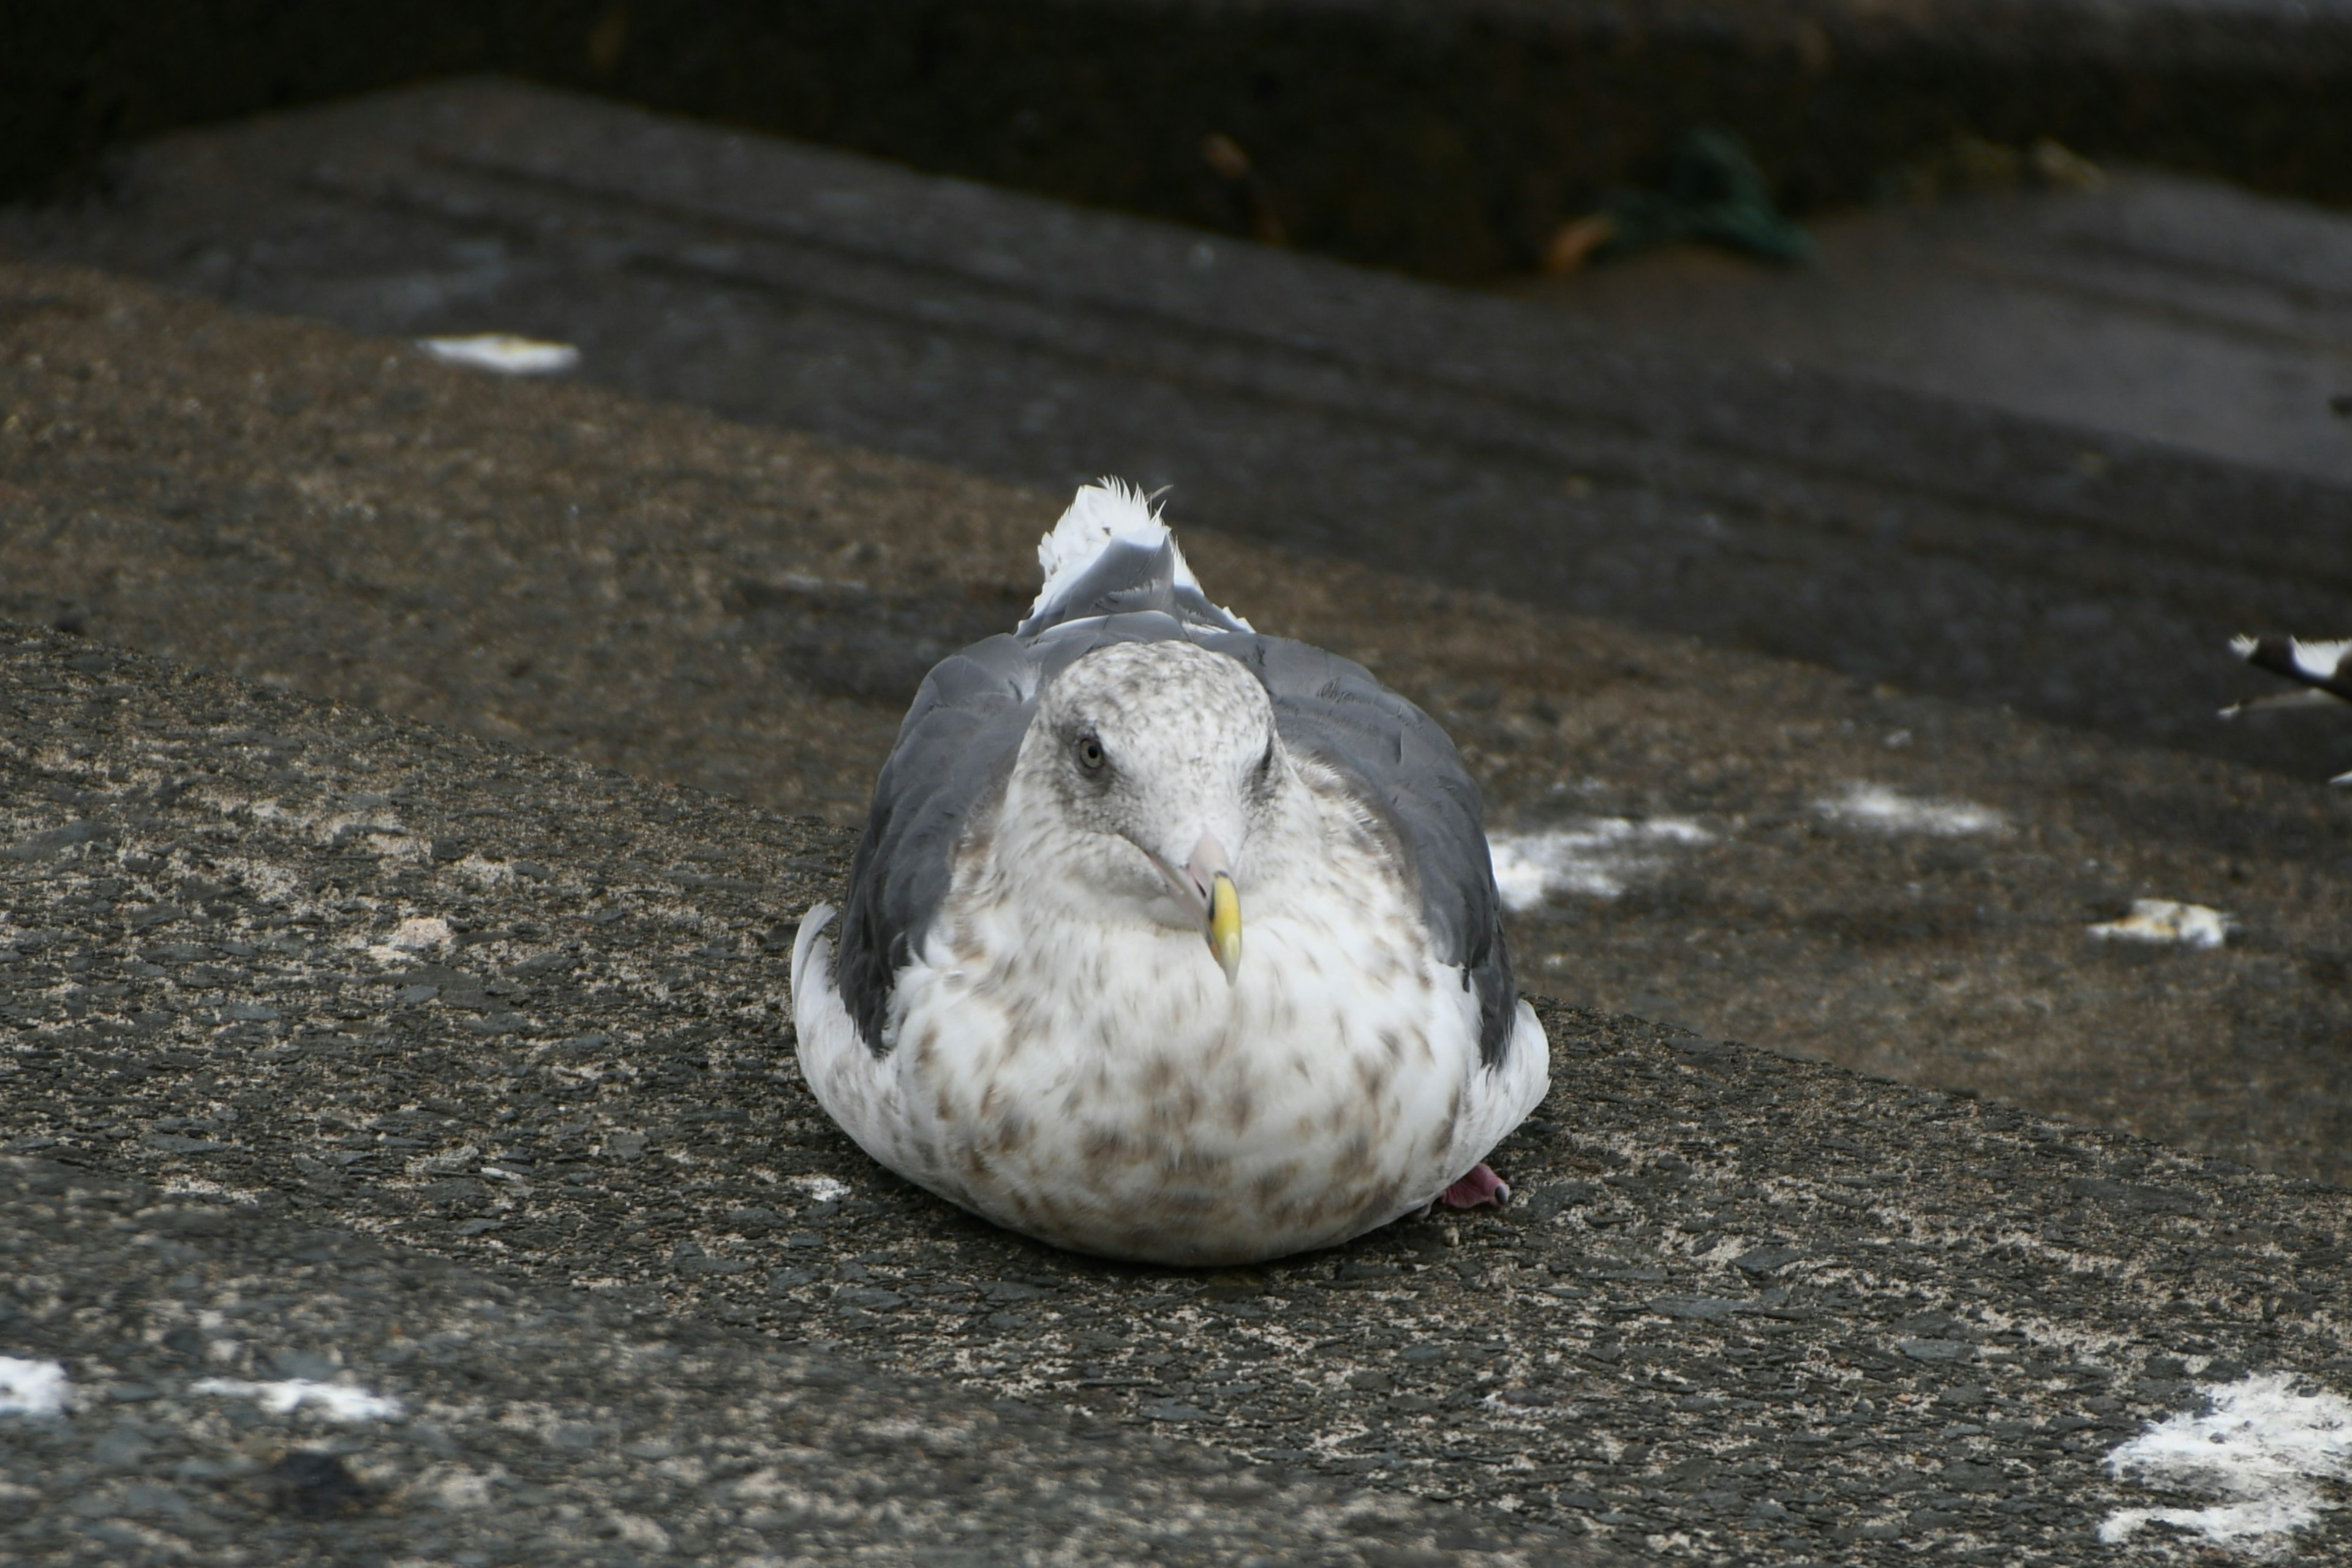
504 352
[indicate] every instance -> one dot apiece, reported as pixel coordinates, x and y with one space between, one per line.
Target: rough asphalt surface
278 972
544 1425
652 588
1485 443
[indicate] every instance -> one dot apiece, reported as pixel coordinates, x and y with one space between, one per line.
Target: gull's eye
1090 753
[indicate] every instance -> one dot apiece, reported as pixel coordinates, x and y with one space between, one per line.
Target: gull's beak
1225 925
1211 875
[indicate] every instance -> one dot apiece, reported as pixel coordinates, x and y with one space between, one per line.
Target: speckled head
1155 767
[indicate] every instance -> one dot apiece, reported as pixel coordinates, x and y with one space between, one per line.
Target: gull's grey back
957 746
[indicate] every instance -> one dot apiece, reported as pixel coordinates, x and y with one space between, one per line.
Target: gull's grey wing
957 746
1403 768
954 749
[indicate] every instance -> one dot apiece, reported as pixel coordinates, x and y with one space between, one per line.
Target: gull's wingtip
1102 516
812 926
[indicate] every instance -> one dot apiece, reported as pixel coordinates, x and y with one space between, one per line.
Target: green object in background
1714 194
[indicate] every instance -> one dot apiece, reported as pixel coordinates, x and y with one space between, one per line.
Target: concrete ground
655 589
307 1004
542 1423
394 898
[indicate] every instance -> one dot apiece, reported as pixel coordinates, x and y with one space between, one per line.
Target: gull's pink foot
1476 1190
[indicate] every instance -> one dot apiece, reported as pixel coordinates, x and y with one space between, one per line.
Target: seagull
2323 669
1047 1006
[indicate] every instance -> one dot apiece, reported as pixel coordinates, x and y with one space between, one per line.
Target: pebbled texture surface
542 1425
652 588
1746 1307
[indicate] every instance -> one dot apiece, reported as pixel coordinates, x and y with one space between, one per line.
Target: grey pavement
1945 547
279 971
1754 849
328 1038
537 1423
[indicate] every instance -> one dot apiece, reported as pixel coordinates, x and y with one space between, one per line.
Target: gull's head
1155 765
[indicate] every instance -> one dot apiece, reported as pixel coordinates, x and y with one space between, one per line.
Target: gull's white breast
1099 1084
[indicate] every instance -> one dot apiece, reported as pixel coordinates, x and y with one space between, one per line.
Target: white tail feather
1103 512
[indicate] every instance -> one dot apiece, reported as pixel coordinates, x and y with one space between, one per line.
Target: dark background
1448 140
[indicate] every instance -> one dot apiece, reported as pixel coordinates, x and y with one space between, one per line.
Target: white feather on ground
2168 920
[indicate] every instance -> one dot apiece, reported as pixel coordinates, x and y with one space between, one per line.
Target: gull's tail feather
1110 555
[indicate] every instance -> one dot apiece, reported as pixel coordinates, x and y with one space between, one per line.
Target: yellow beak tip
1225 925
